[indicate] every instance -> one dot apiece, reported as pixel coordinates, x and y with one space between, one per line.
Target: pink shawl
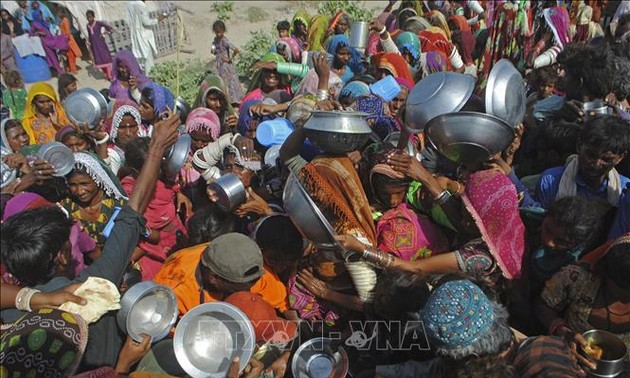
492 201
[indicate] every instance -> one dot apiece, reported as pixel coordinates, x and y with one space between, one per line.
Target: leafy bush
355 9
257 46
223 9
191 72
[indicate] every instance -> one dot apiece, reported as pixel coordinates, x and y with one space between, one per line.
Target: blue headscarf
355 64
162 97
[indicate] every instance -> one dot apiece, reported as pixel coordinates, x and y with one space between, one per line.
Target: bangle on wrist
443 197
377 258
383 31
23 298
322 95
102 141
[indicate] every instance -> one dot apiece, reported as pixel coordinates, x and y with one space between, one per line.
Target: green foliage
191 72
355 9
256 14
257 46
223 9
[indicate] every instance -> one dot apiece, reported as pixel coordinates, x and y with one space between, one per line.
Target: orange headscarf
397 65
38 131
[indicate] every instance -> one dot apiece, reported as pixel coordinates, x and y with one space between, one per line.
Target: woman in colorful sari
552 37
289 49
43 115
163 221
400 230
378 115
204 127
587 296
491 235
395 65
339 48
213 95
299 31
124 125
95 194
129 79
266 81
51 43
462 38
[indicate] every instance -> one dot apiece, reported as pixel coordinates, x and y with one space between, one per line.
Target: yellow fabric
42 132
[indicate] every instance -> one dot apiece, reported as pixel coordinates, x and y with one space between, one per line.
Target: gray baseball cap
234 257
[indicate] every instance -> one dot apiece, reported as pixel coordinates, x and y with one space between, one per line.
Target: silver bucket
359 32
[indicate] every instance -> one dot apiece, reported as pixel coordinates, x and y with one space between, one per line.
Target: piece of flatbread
102 296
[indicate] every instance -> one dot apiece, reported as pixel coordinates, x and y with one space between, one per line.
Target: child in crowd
225 52
14 97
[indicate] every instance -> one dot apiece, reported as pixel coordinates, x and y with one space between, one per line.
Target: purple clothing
51 44
126 58
81 243
225 49
100 51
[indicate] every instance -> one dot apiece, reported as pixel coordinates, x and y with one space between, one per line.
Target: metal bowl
316 359
393 138
7 174
86 105
469 137
177 155
147 308
210 336
505 93
306 215
338 132
436 94
614 353
59 156
230 190
183 108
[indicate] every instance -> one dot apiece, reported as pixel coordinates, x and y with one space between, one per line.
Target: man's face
594 163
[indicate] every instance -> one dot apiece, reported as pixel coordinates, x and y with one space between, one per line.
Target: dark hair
65 79
13 79
11 123
90 13
397 293
580 219
594 66
222 99
606 133
105 93
560 136
30 242
616 265
135 154
544 75
218 25
621 85
279 234
208 224
148 94
283 25
80 135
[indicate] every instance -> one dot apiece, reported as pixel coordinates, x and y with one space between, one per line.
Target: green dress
16 101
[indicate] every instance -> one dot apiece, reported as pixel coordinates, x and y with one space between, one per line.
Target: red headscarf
397 65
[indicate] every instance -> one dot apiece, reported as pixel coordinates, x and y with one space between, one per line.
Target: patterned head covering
379 120
457 314
432 62
557 19
336 42
300 109
336 18
409 41
163 98
292 51
492 201
301 16
396 65
119 113
45 343
355 89
98 171
436 18
205 120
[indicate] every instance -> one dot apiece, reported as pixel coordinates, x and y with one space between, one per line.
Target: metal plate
177 155
209 336
505 93
147 308
316 359
230 190
86 105
59 156
7 175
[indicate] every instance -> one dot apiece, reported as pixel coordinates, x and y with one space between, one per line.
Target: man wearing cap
210 272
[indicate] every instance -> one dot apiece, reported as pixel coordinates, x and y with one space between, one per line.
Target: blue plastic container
274 131
387 88
33 68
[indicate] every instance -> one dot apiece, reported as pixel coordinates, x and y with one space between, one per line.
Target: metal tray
505 93
86 105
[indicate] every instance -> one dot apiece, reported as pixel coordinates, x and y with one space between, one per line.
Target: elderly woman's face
17 138
200 139
342 26
397 103
44 105
83 188
127 130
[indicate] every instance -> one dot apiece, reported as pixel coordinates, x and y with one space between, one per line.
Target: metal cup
593 108
359 32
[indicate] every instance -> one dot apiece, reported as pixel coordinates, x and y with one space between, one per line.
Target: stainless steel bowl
59 156
436 94
177 155
393 138
316 359
7 174
86 105
338 132
469 137
614 353
183 108
210 336
306 215
505 93
230 190
147 308
594 108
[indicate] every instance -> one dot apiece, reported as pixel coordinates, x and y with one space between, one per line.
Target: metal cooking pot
147 308
230 190
176 156
306 215
505 93
86 105
338 132
436 94
210 336
469 137
614 352
316 359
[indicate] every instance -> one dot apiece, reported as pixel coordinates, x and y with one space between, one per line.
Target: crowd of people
506 264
